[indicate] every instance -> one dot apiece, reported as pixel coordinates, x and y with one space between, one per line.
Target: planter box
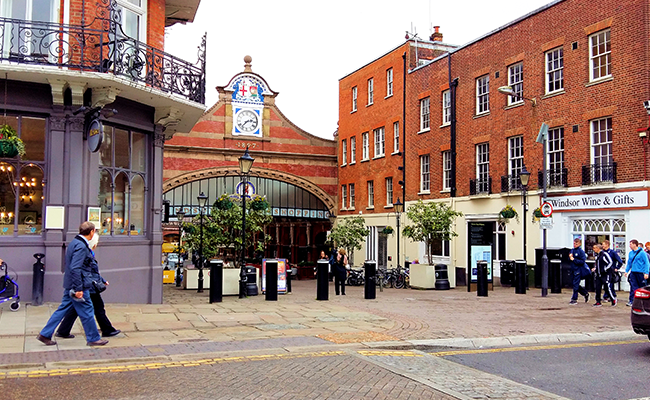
230 280
423 276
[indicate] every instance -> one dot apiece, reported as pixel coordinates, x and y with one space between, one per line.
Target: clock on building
247 121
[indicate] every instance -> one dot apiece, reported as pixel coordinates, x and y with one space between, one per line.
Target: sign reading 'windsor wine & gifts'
599 201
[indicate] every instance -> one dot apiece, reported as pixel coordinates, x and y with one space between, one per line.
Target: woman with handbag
340 271
98 286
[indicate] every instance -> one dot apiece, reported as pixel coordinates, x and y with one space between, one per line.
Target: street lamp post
399 207
203 200
180 214
524 177
245 165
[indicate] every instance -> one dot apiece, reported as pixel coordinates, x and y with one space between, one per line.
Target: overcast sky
302 48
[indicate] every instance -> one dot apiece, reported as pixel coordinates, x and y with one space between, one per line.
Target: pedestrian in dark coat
578 256
340 271
602 272
618 263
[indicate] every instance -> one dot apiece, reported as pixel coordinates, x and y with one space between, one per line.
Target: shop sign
95 135
599 201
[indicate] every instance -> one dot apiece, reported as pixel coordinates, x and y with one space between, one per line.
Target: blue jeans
636 281
85 311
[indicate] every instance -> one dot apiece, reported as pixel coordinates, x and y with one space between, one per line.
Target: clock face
247 121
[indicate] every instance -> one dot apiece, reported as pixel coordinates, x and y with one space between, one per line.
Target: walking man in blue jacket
77 282
578 256
637 268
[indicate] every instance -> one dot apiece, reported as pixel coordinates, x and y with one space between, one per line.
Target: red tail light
642 294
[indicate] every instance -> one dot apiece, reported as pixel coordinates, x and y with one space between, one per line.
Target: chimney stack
436 36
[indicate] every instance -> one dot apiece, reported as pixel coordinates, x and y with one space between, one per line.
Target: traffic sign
546 223
546 209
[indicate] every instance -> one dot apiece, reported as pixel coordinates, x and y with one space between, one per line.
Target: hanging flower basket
259 203
387 231
537 214
10 144
223 203
508 212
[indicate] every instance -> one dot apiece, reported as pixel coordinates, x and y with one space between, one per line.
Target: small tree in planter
350 233
430 221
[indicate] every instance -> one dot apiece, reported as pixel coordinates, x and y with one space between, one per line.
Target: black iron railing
480 186
103 47
555 177
594 174
510 183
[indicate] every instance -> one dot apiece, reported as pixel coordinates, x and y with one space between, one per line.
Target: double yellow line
532 348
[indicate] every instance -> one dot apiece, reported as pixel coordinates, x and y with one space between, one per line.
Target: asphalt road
586 371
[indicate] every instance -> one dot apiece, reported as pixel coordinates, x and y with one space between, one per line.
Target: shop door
382 250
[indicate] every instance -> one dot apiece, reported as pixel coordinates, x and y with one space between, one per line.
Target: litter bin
482 278
520 276
216 281
370 289
251 280
555 275
442 278
590 285
507 272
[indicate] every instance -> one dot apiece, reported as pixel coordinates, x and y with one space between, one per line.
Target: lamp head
246 162
399 206
506 90
203 199
524 176
180 214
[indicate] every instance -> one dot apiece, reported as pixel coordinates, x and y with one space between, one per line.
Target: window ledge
352 163
600 80
424 130
395 153
365 160
424 192
353 111
343 165
369 104
445 125
389 206
349 209
389 96
511 106
370 208
553 94
445 191
379 156
485 114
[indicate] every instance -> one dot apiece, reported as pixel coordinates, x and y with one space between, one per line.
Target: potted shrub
10 143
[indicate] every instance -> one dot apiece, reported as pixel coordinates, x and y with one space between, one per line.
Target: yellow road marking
394 353
154 366
528 348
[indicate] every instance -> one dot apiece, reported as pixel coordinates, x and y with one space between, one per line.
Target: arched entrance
300 209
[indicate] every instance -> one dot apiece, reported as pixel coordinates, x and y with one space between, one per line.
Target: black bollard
370 289
216 281
288 271
322 280
271 280
520 276
442 279
555 276
482 279
37 281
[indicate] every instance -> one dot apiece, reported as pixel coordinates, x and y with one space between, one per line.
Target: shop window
22 180
592 231
122 184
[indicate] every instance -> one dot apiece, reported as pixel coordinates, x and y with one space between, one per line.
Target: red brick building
295 170
582 69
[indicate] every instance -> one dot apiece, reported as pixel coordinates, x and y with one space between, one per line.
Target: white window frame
371 194
344 196
554 70
371 91
353 150
483 94
395 137
141 12
446 170
601 139
515 155
482 163
425 173
380 142
354 99
389 191
425 114
365 146
352 200
389 82
446 107
600 42
516 82
555 149
344 152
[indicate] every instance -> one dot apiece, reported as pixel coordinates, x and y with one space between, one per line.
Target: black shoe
598 304
68 336
343 294
111 334
587 298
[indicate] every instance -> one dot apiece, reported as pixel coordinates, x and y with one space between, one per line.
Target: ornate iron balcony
102 46
555 177
480 186
510 183
594 174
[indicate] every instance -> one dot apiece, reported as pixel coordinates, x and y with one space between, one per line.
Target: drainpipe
453 84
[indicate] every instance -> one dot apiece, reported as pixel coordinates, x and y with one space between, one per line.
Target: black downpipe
453 84
403 130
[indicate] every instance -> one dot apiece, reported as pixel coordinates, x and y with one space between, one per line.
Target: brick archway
206 173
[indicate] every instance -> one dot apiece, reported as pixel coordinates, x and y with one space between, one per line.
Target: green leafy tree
430 221
222 227
349 233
